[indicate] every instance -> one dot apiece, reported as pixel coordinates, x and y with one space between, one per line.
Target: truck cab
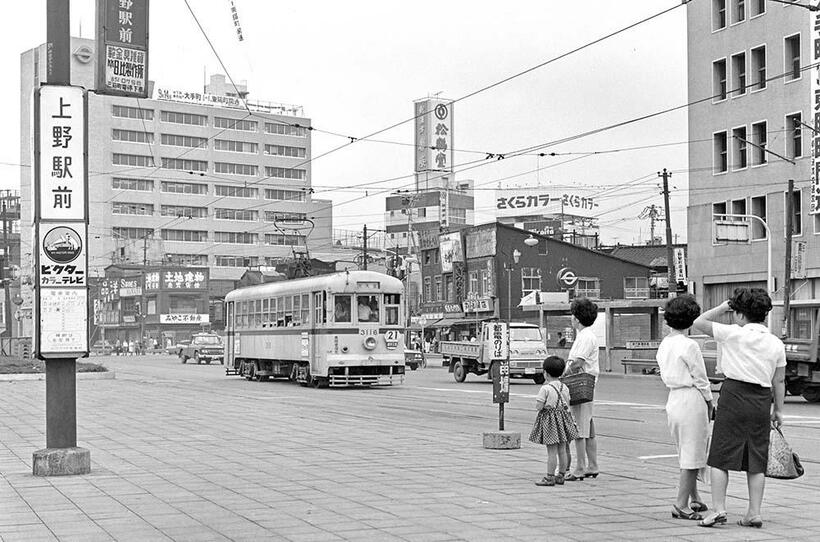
527 353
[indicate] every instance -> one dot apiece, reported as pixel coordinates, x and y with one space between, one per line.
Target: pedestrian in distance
689 405
562 341
751 399
583 357
554 425
118 347
131 347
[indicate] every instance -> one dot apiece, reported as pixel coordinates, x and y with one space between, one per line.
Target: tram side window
367 308
305 309
264 315
288 310
341 311
243 314
319 308
391 309
297 311
280 311
257 314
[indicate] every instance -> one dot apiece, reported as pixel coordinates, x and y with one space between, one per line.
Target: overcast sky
357 66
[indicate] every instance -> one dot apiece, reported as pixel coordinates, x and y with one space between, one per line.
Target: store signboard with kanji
122 47
183 278
434 135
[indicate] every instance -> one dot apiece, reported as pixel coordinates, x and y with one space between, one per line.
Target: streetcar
342 329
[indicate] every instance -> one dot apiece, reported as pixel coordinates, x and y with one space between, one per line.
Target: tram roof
335 282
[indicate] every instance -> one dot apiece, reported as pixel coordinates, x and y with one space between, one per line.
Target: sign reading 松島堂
60 193
122 47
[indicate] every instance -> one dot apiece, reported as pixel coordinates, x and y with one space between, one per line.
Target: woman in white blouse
751 398
690 402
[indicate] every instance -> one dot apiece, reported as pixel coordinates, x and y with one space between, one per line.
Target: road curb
107 375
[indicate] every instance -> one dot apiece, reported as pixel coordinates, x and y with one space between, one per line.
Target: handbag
783 463
581 387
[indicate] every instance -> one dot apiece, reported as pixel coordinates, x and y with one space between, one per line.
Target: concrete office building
189 177
753 58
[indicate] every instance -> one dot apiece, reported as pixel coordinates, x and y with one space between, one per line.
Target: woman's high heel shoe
718 518
677 513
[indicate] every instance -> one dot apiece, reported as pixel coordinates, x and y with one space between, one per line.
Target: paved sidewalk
234 460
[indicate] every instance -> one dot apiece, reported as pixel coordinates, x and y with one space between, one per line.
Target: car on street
205 347
711 355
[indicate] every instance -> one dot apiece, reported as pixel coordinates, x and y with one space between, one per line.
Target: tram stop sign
500 355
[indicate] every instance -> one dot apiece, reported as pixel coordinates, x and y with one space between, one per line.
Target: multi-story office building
188 177
751 86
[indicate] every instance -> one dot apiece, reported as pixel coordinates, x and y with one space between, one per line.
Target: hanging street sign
122 47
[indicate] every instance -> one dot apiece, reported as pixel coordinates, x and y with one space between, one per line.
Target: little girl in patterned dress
554 425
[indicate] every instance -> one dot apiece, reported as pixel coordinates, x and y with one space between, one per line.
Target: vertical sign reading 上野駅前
122 47
60 203
814 202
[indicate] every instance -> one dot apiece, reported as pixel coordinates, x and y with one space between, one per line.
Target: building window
738 11
457 216
278 216
132 233
739 155
279 239
739 74
758 67
236 169
530 280
183 188
791 47
236 124
438 292
448 288
285 129
184 165
588 287
236 214
184 211
142 185
132 136
183 141
759 210
284 195
187 259
188 236
472 284
126 112
720 153
760 140
283 150
228 145
486 282
797 213
794 135
183 118
636 287
285 173
134 160
758 7
235 191
718 14
719 79
718 211
428 290
141 209
235 237
739 207
236 261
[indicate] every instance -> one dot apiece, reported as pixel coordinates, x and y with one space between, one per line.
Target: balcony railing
636 293
591 293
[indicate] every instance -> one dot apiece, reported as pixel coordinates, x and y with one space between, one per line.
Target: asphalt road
629 411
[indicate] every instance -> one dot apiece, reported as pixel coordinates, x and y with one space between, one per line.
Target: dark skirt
740 438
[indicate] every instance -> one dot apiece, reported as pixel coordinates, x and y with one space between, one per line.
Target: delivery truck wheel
812 395
459 372
539 379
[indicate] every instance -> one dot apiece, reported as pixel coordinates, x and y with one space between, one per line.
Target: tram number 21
391 335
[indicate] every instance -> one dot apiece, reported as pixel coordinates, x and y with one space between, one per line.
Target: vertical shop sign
122 47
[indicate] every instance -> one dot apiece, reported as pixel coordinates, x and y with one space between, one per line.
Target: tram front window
341 311
391 309
367 308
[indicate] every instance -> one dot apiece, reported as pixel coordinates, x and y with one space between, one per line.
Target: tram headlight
370 343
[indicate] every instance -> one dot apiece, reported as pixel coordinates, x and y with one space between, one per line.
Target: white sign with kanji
63 321
184 318
62 153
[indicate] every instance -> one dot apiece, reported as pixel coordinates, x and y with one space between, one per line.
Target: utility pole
145 250
787 276
670 258
6 268
364 247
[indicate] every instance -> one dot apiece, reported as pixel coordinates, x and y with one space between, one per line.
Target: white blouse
682 366
749 353
585 348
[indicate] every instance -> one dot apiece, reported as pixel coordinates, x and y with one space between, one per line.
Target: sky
357 66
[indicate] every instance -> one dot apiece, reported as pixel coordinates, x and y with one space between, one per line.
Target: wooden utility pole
787 275
364 247
670 257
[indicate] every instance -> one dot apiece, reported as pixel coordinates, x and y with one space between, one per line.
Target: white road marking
665 456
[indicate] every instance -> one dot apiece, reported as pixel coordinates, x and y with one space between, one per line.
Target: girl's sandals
574 478
548 480
591 475
698 506
559 479
677 513
717 518
755 522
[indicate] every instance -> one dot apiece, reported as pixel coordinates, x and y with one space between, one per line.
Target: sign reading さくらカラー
60 194
122 47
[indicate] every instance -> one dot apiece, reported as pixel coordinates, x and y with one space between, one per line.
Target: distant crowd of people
751 402
130 347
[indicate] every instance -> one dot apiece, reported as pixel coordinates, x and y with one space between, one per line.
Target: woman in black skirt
753 361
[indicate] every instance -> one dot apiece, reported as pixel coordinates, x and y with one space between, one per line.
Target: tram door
231 337
317 323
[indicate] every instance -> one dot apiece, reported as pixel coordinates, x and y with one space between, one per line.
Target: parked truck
803 368
527 353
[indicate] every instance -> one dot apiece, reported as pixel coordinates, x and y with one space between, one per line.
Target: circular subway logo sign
62 244
441 111
567 277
